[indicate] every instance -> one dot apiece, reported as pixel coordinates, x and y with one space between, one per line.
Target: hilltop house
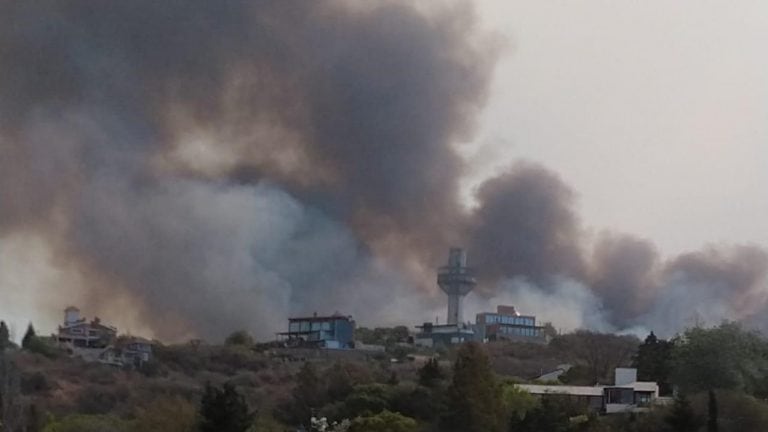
95 341
77 332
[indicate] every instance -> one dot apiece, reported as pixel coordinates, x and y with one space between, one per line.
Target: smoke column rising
195 167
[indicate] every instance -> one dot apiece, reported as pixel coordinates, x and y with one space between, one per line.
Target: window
304 326
642 398
293 327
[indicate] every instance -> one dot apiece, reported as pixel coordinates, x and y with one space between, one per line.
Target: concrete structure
77 332
95 341
507 324
626 395
335 331
134 350
456 280
433 335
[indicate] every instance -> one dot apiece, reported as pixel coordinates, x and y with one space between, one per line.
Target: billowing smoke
524 225
193 167
222 165
534 249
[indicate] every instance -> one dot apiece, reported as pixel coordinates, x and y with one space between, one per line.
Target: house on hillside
334 332
626 395
77 332
94 341
134 350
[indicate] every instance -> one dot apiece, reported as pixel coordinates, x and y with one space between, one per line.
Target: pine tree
29 337
224 410
474 398
712 417
430 373
654 362
5 336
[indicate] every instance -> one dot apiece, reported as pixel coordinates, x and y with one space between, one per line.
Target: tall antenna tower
456 280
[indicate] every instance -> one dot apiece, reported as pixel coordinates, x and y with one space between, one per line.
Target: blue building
506 323
335 332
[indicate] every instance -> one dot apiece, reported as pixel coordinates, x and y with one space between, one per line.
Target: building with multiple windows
335 331
507 324
77 332
626 395
435 335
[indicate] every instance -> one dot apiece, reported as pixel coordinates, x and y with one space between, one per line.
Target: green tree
474 398
600 353
722 357
654 362
28 336
385 421
240 337
517 402
365 400
551 414
5 336
224 410
681 417
430 373
712 425
421 403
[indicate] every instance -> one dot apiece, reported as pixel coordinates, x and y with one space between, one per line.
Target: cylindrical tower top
457 257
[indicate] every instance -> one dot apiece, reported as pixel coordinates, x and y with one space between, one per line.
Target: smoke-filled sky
188 168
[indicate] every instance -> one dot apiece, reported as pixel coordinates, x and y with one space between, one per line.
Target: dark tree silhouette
681 417
712 412
430 373
654 362
474 398
224 410
29 337
5 336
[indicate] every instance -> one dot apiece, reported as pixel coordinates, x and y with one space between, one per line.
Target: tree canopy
224 410
474 398
722 357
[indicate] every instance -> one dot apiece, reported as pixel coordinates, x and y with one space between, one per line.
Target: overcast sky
656 112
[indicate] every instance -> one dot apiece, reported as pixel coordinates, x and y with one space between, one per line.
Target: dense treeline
720 378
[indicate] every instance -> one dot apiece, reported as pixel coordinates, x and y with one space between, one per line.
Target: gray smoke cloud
537 254
210 166
223 165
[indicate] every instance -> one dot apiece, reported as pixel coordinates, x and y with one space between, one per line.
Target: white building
626 395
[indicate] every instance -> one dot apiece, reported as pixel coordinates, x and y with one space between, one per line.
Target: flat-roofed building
508 324
434 335
626 395
335 331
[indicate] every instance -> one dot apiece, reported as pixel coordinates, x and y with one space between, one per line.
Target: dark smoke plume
223 164
206 166
524 226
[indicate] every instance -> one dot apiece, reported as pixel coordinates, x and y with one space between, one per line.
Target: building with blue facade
334 332
507 324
